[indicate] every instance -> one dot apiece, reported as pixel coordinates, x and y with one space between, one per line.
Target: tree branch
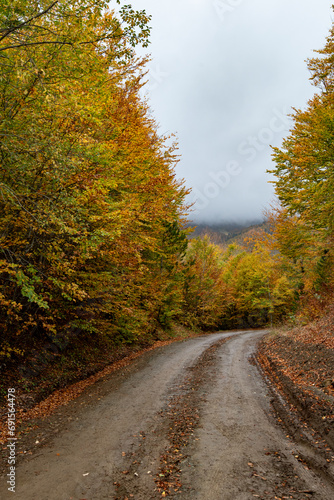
11 30
34 43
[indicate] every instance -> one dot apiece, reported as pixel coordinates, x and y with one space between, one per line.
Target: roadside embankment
300 364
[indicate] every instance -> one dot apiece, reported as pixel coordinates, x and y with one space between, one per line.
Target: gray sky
224 75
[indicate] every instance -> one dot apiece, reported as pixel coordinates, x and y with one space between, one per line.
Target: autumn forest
95 246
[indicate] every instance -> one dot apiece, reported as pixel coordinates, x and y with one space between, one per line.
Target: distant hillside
226 233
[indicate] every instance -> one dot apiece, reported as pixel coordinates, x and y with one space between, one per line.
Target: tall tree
88 189
304 180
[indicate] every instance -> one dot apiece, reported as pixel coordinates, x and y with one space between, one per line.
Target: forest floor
300 364
191 420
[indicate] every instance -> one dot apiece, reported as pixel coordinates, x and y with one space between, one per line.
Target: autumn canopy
93 244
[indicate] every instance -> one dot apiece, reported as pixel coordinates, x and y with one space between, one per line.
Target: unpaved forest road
113 436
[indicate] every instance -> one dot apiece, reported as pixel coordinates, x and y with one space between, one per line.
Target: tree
304 180
257 290
89 199
204 288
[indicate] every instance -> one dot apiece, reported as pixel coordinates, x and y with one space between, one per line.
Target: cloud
224 76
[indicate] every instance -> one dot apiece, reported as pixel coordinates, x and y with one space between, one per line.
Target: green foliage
203 287
90 210
234 287
257 289
92 243
304 182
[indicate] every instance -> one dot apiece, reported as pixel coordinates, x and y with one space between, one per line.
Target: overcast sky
223 77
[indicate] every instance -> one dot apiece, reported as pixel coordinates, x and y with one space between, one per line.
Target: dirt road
191 420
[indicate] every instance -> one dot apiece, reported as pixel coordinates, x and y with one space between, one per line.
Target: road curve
108 443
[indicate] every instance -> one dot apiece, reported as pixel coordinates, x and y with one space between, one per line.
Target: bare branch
34 43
